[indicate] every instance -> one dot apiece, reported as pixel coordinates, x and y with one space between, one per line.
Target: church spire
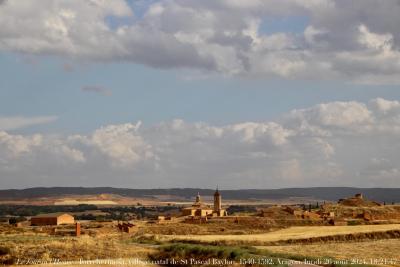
216 192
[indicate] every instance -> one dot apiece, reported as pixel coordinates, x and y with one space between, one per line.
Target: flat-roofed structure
52 219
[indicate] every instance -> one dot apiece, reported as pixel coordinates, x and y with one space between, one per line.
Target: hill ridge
323 193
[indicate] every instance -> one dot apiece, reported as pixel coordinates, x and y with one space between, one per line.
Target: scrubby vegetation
204 255
240 209
4 251
5 256
88 212
367 250
44 247
205 251
25 210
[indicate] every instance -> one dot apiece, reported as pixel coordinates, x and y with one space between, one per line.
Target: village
154 232
350 211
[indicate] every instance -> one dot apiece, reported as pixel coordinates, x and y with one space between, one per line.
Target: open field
292 233
102 240
87 202
27 246
158 200
159 232
220 227
101 199
380 250
249 256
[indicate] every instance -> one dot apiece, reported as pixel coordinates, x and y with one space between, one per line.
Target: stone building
52 219
127 227
201 210
218 211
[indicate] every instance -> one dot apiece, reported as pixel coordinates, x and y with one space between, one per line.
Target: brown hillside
358 201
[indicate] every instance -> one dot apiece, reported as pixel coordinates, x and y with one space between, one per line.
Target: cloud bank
356 41
330 144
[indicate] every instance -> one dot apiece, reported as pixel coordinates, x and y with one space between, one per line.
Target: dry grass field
220 227
102 240
24 244
48 247
291 233
105 242
369 250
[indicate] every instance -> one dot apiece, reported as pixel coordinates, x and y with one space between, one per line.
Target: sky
185 93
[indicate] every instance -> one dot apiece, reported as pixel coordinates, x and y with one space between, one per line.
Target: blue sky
41 86
173 93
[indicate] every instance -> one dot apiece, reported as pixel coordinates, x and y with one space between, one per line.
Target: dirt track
299 234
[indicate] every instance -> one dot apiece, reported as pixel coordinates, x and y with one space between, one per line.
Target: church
201 210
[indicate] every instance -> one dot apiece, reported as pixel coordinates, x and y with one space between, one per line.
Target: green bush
203 251
4 251
354 222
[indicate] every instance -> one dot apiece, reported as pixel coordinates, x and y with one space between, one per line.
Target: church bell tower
217 201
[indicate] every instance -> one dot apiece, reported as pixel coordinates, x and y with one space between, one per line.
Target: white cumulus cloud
336 143
355 41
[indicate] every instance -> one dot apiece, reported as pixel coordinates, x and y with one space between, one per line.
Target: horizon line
195 188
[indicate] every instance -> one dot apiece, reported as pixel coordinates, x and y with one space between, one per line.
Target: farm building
52 219
302 214
126 227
